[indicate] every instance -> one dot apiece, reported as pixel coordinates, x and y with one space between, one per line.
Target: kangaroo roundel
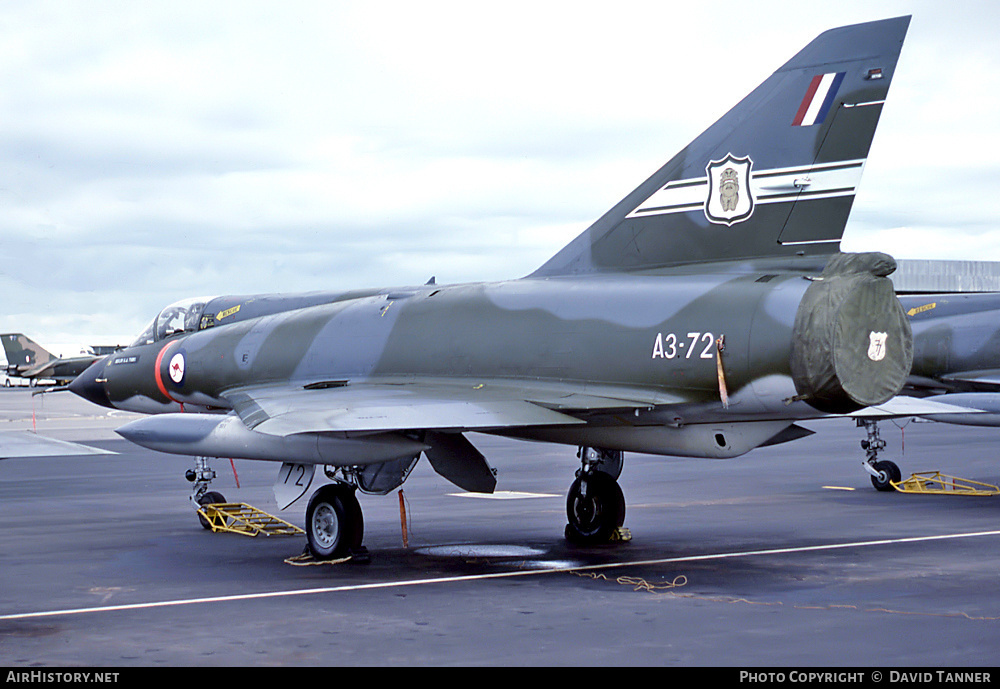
177 368
729 196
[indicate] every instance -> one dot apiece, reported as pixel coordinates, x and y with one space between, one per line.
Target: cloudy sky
151 151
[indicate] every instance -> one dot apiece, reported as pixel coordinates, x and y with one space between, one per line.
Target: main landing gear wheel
886 473
595 508
334 522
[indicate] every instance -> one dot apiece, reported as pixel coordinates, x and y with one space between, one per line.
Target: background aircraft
956 362
956 343
28 359
956 354
701 316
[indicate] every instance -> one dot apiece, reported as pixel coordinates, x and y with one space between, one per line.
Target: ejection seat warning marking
921 309
672 346
228 312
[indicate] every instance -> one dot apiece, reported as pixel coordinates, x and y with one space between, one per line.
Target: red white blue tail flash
818 99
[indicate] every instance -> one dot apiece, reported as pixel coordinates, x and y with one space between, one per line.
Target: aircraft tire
209 498
595 508
888 473
334 522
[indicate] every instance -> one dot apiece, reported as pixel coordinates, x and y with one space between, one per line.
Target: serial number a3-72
670 346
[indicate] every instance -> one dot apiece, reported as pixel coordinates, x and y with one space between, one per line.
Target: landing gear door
293 482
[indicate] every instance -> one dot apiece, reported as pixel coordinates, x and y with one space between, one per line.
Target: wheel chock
243 519
620 535
936 483
306 559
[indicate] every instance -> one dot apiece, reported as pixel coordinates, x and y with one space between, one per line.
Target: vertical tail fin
23 353
775 176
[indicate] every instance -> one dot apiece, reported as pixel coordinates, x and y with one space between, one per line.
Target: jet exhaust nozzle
852 346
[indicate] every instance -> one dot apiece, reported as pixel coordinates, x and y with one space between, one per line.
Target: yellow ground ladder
936 483
241 518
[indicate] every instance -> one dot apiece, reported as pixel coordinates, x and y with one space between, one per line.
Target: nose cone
90 385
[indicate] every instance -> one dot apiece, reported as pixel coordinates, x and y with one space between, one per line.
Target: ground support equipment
936 483
241 518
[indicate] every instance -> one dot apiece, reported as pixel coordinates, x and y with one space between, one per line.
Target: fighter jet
702 316
955 371
28 359
956 343
956 354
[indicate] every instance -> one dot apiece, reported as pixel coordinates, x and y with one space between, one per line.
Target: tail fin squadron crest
730 198
775 176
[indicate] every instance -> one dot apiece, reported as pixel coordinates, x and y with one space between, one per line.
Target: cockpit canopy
180 317
201 313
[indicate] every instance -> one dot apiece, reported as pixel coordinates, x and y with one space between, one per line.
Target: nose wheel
209 498
202 476
883 472
886 473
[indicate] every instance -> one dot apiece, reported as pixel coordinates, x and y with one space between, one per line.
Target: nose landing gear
201 476
884 473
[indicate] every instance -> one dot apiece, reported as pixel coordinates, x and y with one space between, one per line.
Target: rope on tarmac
638 583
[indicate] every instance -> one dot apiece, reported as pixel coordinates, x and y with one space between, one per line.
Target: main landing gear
595 506
335 524
883 472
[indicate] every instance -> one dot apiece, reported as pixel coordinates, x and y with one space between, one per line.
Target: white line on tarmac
495 575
